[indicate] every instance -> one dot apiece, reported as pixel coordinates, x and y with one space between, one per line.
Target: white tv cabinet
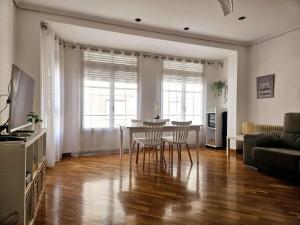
18 158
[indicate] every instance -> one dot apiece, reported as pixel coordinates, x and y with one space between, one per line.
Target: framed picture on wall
265 86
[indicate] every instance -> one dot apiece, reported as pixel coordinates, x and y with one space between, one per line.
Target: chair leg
177 148
155 149
164 160
162 153
137 153
133 146
180 151
171 147
144 156
188 150
169 151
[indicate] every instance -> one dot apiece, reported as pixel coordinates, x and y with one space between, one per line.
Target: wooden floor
101 190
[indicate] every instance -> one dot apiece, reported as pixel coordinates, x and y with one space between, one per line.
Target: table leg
228 146
121 143
197 144
130 148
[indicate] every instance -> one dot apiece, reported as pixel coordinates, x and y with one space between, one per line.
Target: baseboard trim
103 152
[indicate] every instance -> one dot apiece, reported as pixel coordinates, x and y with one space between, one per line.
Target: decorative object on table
34 118
220 88
265 86
157 111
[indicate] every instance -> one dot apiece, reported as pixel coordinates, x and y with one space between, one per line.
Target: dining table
139 128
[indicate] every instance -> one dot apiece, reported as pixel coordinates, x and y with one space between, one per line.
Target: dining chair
136 135
179 138
152 140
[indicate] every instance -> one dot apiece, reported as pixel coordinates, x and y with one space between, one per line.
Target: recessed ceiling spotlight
138 20
186 28
242 18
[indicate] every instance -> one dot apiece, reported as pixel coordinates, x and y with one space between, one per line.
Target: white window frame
183 82
112 125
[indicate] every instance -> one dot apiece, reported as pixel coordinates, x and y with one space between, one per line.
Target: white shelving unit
17 160
214 128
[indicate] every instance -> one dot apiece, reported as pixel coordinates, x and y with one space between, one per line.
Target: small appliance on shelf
214 131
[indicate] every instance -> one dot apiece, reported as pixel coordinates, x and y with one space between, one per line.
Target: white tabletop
140 125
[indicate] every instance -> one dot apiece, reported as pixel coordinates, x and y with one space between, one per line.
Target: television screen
21 99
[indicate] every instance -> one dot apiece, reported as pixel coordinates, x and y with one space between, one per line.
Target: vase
33 124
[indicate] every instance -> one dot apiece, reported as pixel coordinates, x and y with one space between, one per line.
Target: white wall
279 56
7 49
28 57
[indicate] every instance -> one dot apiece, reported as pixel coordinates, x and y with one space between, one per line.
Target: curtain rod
44 26
136 53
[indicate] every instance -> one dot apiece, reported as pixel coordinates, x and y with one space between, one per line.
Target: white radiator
266 129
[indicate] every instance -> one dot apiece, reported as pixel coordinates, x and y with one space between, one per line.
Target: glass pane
96 101
120 107
172 86
125 105
95 121
127 85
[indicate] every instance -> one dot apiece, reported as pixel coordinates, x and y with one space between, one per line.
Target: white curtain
72 91
52 94
150 79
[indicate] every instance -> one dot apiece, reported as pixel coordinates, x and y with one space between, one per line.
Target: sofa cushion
280 158
290 140
292 123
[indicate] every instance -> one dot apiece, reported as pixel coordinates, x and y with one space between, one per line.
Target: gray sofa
278 152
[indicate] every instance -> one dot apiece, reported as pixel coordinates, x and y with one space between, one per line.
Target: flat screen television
21 99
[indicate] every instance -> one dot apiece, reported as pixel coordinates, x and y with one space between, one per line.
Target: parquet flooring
100 189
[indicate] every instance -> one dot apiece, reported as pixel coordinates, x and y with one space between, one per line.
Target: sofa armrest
258 140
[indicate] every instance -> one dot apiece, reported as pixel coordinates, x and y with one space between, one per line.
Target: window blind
107 66
179 69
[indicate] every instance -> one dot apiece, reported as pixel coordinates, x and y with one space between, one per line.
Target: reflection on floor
102 190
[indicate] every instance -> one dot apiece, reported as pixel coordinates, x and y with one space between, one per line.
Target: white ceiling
108 39
265 18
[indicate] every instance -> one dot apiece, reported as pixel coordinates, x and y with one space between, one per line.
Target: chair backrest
181 131
153 132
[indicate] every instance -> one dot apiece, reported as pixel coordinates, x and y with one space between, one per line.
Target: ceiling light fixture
186 28
242 18
227 6
138 20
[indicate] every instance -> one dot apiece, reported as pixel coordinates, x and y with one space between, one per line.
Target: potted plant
220 87
34 118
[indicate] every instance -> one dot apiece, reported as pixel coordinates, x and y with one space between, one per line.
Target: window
109 89
182 91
